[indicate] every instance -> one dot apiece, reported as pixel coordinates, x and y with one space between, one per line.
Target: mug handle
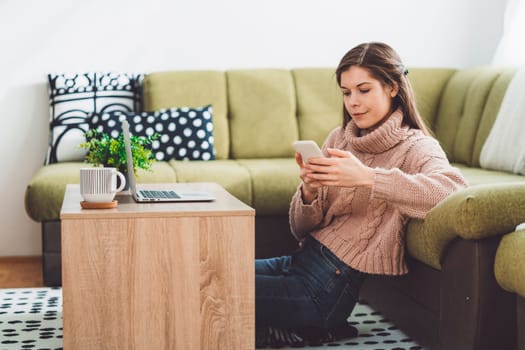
122 181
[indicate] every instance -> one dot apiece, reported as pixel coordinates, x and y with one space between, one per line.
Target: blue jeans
310 288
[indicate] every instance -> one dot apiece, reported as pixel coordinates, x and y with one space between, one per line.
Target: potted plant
104 150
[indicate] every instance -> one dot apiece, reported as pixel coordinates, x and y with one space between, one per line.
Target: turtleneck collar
379 140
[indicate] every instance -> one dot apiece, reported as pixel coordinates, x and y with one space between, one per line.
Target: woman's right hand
310 185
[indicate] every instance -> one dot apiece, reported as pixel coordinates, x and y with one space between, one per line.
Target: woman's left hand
342 169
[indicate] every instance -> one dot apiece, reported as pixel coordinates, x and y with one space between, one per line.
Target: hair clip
405 71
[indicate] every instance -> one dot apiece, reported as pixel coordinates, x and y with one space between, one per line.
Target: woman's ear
394 89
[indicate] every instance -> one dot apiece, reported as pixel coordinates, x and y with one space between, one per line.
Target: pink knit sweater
365 227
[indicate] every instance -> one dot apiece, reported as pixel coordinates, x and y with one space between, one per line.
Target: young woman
350 211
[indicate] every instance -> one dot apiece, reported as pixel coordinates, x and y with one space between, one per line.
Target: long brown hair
385 65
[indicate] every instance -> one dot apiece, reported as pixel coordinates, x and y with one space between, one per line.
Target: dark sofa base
460 307
272 238
521 321
415 310
51 259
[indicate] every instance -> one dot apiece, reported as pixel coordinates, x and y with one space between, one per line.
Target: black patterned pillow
185 133
75 97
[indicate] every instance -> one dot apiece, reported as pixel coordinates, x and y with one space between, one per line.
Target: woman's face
366 100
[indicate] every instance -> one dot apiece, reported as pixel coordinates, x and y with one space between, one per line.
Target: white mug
99 185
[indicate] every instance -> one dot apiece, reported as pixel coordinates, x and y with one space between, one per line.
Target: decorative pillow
185 133
504 148
74 97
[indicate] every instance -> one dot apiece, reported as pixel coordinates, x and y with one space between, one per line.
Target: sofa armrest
476 212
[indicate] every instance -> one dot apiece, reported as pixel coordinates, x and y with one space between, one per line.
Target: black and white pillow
75 97
185 133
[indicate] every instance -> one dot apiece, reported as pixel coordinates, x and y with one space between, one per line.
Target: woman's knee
273 266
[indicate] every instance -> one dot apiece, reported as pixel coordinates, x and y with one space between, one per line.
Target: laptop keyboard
159 194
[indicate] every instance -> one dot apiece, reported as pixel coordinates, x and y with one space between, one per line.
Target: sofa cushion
184 133
428 95
319 103
467 100
45 192
262 113
227 173
73 97
164 90
478 176
161 172
274 182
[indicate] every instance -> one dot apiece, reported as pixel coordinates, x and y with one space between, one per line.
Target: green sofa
450 299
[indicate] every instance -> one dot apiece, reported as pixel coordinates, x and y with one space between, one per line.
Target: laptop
152 195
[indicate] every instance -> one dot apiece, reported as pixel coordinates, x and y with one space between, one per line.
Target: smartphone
308 149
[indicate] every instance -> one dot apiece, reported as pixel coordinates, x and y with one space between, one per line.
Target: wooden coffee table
158 276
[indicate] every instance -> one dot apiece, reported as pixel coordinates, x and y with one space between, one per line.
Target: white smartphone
308 149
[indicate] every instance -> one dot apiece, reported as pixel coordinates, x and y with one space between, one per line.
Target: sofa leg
51 256
476 313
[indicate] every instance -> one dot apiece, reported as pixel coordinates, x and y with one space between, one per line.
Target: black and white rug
32 319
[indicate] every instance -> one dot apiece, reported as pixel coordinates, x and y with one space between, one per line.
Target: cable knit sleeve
426 180
304 217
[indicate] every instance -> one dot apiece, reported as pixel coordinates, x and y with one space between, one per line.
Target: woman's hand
310 185
342 169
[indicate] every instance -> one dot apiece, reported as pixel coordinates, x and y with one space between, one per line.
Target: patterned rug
32 319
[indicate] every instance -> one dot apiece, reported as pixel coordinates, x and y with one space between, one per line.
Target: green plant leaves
104 150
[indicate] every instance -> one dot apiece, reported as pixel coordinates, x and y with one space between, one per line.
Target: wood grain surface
174 280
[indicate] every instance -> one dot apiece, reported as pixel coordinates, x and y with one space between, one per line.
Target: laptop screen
150 195
129 156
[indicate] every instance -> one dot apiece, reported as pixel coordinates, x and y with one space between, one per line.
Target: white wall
37 37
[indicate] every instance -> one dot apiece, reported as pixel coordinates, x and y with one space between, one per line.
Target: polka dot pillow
185 133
